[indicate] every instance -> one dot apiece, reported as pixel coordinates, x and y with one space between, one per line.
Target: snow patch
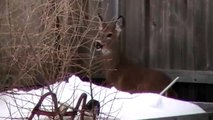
114 104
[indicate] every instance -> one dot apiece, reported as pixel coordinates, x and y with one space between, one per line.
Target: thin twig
169 86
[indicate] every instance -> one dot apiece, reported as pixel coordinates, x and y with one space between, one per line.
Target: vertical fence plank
199 34
178 34
190 35
155 31
210 35
134 30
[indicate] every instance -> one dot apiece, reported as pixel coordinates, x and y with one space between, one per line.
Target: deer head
108 35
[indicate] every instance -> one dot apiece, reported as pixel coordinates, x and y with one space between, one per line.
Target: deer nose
98 45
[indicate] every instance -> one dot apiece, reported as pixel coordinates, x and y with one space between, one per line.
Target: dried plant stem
169 86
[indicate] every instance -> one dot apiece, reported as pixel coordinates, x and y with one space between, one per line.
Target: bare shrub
44 41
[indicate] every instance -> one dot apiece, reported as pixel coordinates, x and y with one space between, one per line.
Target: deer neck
114 61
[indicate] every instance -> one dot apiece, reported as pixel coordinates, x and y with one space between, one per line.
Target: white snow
114 103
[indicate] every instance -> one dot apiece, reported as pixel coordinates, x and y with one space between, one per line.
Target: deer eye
109 35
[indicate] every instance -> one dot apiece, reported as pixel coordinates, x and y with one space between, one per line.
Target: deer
121 72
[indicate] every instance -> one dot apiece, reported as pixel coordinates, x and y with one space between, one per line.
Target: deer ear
100 21
119 24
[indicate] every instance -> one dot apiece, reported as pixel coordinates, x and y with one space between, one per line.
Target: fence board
209 39
134 32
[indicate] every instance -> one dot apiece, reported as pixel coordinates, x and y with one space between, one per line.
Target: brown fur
121 72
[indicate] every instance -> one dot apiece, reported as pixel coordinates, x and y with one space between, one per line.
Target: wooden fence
169 34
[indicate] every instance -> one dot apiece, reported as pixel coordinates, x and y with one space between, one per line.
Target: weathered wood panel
177 35
134 35
209 34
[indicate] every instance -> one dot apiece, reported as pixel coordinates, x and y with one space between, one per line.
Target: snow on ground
114 104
